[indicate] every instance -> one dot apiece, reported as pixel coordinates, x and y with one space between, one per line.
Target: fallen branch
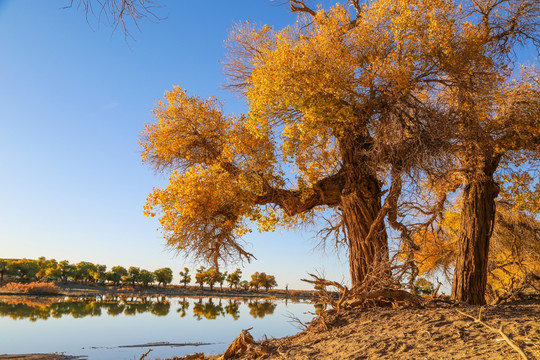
512 344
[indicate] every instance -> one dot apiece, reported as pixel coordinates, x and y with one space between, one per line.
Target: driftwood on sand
243 343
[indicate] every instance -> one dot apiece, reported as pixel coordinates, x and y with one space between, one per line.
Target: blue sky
73 99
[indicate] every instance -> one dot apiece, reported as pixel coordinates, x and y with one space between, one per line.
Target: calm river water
127 328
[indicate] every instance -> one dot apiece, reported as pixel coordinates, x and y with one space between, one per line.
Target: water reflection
184 306
208 310
260 309
233 309
35 308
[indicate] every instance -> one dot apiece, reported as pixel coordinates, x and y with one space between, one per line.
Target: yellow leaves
217 165
517 113
318 82
321 73
204 205
438 247
515 250
187 131
521 190
320 92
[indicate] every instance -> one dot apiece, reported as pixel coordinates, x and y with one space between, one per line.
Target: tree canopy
334 98
377 108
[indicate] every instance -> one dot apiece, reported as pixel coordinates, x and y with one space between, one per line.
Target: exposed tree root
499 331
529 288
345 298
329 297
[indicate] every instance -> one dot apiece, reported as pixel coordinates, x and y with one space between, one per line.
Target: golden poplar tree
358 100
497 123
342 96
497 153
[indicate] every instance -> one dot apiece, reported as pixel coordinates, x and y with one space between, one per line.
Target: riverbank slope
446 331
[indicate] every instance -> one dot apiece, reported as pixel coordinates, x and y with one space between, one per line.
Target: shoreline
37 356
89 290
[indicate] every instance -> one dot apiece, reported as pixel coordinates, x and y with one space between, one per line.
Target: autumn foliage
383 111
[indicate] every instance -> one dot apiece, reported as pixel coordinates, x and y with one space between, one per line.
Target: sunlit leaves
438 246
218 167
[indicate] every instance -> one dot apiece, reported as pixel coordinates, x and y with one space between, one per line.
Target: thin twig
512 344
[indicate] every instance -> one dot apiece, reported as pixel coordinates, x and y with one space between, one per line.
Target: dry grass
32 288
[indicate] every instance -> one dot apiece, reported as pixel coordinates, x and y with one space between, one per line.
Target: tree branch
326 191
117 11
300 6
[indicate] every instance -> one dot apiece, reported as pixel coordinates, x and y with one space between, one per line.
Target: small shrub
43 288
32 288
13 288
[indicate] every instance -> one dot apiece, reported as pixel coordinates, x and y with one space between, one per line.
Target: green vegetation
84 272
234 278
164 276
185 278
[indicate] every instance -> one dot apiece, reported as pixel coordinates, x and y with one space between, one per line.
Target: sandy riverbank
441 331
444 332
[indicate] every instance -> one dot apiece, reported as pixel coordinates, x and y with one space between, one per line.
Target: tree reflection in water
30 308
184 305
33 308
209 310
261 309
232 308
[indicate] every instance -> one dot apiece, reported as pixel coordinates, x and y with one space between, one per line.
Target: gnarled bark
368 256
477 220
361 205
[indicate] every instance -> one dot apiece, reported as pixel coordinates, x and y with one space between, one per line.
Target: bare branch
117 12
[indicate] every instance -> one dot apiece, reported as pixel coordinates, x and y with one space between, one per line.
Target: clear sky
73 100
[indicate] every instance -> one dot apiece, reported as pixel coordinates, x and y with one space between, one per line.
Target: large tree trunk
356 189
477 220
368 258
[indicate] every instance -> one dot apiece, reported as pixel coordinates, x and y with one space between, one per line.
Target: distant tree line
42 269
213 276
